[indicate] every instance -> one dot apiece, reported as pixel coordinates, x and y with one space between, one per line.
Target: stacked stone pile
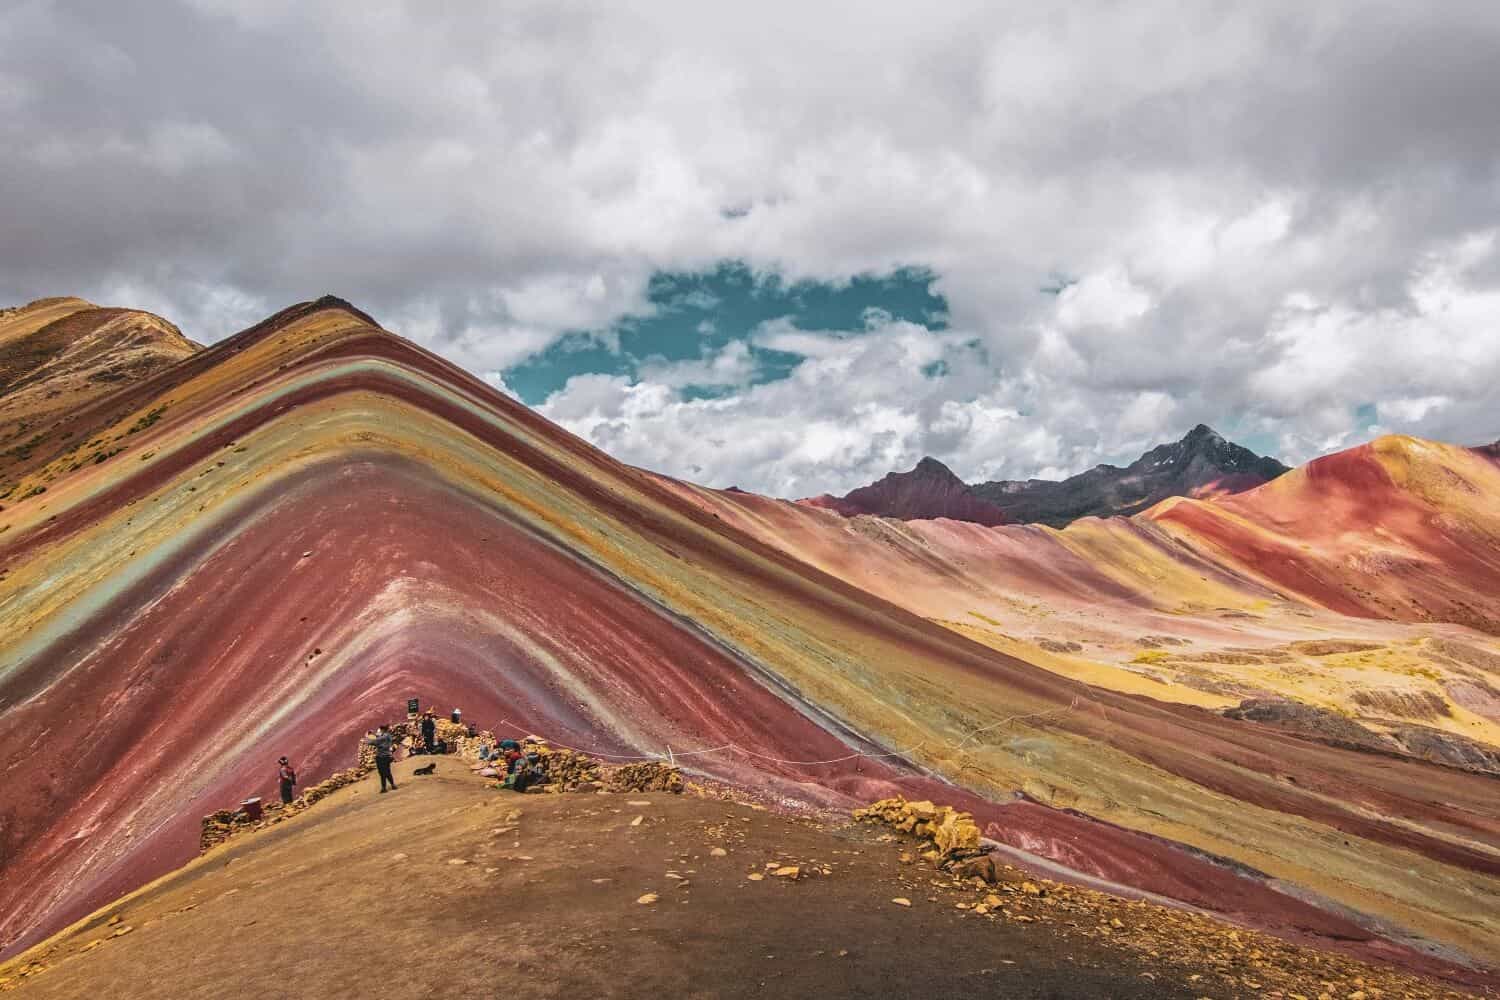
455 734
566 769
573 770
219 826
469 746
646 776
953 836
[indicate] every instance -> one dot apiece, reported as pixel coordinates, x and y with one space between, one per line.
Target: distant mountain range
1202 464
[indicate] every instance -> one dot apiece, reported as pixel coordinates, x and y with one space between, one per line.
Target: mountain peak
1201 464
1203 434
930 467
930 490
326 301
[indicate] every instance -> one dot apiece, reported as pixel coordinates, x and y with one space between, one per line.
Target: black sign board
412 706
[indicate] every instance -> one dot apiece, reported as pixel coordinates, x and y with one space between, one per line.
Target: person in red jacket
288 779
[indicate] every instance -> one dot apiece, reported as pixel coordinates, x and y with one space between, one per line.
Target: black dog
428 769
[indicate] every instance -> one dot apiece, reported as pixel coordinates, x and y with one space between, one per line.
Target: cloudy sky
792 246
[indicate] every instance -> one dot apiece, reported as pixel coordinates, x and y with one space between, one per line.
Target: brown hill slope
59 355
450 888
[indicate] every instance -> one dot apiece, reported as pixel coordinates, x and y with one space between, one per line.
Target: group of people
384 742
517 769
521 769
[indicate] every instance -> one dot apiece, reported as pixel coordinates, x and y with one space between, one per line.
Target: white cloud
1106 299
1275 215
731 366
1429 366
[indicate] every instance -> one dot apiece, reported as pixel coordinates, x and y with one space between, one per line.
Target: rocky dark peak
1203 434
1206 452
929 490
931 468
1201 463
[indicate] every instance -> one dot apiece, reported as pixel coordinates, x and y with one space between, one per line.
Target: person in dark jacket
288 779
385 751
429 732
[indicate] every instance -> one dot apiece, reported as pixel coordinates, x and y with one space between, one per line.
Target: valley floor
447 887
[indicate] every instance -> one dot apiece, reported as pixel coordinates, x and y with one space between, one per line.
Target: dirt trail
439 888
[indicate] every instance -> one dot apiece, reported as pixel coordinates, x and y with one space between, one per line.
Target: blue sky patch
693 316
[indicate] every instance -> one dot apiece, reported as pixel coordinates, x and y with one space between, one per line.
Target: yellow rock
648 898
719 852
923 810
956 832
901 901
787 871
755 876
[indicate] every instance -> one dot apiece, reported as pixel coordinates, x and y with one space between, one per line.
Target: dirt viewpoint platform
450 887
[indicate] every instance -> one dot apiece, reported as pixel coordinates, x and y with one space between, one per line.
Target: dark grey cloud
1276 213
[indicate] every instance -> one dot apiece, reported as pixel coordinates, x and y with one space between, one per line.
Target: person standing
429 732
288 779
385 752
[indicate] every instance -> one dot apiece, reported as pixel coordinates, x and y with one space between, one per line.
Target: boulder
981 867
956 832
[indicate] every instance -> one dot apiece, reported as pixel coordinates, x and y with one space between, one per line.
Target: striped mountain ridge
303 525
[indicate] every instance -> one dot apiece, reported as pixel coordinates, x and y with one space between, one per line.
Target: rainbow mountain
1280 706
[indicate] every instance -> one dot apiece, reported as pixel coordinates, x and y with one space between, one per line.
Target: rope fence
961 748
